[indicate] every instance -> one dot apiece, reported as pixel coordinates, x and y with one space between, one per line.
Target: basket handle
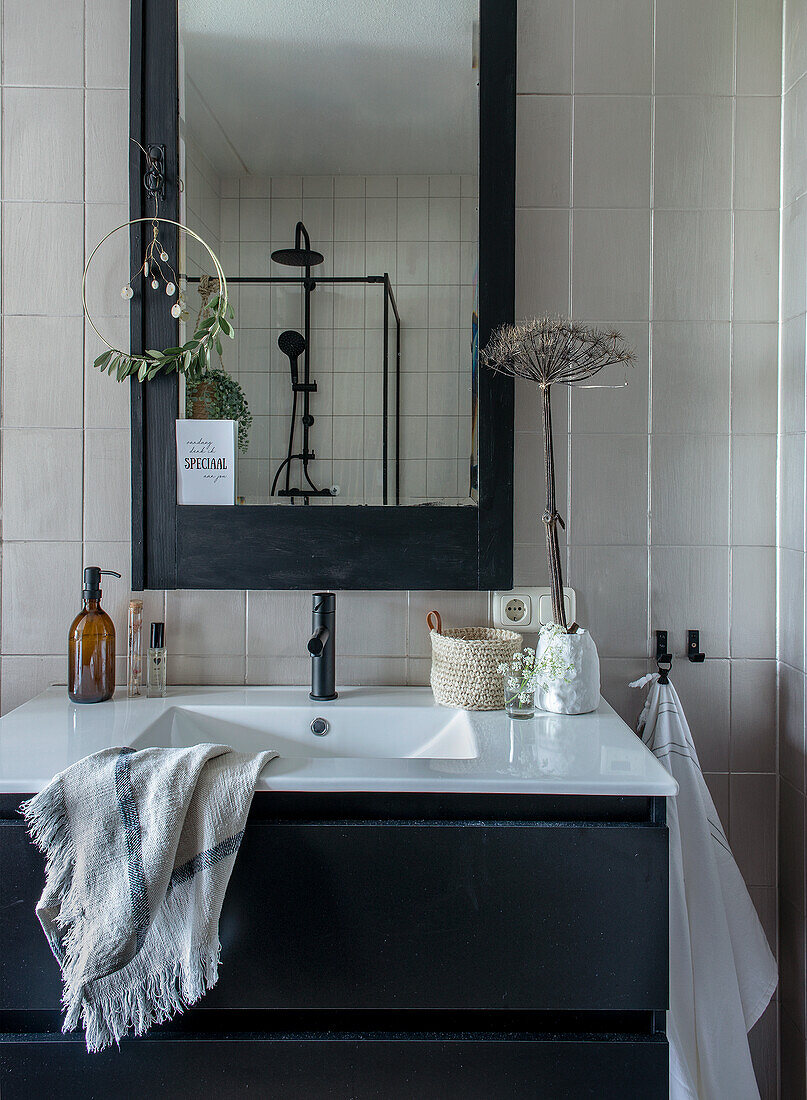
437 624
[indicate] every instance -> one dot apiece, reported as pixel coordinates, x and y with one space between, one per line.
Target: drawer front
301 1068
421 916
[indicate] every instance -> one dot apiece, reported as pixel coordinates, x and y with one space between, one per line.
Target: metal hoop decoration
126 225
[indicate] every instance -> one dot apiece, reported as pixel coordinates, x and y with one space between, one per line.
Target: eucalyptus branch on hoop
193 358
550 351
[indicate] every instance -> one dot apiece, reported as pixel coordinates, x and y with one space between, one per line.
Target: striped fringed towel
139 848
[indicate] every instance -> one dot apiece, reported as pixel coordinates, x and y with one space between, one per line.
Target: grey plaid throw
139 849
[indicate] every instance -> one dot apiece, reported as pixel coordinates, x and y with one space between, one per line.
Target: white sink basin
380 739
379 732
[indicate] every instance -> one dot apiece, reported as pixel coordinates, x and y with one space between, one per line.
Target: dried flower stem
549 351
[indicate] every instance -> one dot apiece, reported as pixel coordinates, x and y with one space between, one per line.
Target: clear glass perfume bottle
134 653
157 683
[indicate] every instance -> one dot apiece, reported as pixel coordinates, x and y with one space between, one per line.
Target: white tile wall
671 234
791 556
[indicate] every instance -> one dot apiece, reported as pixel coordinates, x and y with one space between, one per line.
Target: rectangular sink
364 732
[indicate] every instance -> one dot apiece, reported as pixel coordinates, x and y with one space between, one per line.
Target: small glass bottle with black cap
156 681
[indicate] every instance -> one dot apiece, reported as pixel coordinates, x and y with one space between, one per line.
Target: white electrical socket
528 609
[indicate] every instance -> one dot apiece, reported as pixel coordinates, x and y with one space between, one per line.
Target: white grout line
649 588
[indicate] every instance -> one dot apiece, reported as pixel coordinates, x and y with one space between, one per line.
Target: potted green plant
216 395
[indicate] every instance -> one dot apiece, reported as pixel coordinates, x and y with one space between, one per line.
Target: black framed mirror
334 171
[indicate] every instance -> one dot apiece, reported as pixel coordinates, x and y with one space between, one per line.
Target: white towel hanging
722 972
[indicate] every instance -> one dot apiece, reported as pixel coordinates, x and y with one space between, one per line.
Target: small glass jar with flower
519 693
529 670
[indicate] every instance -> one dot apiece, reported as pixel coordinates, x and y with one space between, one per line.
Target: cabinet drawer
339 1068
444 916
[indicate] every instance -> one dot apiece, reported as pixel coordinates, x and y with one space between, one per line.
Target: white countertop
589 754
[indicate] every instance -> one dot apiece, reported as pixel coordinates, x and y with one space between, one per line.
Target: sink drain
320 726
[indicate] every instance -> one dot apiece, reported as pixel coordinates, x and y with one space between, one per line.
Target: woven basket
465 665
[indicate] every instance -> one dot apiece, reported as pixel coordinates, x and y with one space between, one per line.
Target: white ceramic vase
578 690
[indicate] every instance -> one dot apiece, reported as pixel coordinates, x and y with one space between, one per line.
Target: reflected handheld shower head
292 343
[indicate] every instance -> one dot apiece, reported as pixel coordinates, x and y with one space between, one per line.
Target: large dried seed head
550 350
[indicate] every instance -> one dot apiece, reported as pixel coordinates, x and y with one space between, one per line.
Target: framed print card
206 461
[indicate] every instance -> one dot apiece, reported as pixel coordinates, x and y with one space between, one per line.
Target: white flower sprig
552 665
527 671
519 675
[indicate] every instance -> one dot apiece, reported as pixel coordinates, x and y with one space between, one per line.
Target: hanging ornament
160 273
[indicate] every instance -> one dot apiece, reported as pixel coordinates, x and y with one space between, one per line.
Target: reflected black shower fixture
291 343
299 256
294 344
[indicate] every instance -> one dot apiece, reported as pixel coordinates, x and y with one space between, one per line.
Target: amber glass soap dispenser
91 645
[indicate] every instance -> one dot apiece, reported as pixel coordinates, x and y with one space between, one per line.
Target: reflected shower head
292 343
297 257
302 255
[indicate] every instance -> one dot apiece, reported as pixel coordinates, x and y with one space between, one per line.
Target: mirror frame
352 546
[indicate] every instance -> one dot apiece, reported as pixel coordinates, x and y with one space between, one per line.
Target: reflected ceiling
311 87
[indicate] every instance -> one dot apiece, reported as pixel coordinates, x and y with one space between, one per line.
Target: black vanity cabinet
390 946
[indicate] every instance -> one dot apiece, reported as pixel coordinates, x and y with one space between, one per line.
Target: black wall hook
693 647
663 658
154 174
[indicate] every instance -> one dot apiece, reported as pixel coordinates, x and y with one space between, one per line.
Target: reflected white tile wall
408 227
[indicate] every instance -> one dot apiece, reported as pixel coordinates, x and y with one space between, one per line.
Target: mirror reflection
329 157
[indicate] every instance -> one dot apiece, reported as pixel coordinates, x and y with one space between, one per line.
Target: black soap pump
91 645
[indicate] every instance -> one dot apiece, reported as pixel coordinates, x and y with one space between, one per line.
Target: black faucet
322 646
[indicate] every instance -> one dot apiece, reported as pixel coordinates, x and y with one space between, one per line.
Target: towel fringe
161 980
48 826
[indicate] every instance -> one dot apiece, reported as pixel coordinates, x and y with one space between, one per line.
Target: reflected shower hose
292 344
